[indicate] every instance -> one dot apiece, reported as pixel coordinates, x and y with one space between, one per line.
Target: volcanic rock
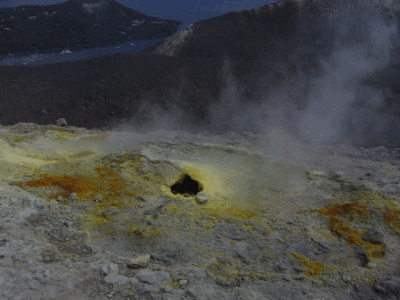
139 261
238 246
214 74
300 31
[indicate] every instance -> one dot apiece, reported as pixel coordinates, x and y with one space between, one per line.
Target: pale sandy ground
89 214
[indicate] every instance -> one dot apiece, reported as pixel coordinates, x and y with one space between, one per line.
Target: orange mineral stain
86 187
340 217
69 184
392 219
342 229
349 209
314 268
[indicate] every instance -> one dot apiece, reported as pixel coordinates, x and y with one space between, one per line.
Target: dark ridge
266 51
97 92
271 32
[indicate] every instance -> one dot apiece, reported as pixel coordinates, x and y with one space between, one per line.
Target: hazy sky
186 11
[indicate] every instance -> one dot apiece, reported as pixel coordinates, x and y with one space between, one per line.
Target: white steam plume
341 83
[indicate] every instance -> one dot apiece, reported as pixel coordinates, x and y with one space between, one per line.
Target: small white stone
202 198
146 276
346 278
98 198
61 122
116 278
108 268
183 283
139 261
72 196
372 265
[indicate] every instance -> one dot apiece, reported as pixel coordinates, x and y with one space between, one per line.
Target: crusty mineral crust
82 211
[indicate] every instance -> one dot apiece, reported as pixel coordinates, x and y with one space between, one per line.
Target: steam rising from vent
335 102
341 84
229 113
337 105
92 7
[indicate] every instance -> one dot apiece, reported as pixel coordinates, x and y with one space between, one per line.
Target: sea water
70 55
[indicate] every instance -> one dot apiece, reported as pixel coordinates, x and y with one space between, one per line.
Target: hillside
75 24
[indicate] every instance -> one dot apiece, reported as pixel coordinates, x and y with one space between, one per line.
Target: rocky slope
75 24
276 63
300 31
296 41
89 214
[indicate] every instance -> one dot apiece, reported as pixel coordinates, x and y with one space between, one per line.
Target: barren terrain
89 214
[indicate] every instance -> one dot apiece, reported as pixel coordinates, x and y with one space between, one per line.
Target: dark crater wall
272 32
94 92
278 46
302 31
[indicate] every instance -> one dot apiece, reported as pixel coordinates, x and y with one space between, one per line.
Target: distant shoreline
73 25
76 54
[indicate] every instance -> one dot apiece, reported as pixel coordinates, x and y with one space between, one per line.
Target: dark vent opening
186 186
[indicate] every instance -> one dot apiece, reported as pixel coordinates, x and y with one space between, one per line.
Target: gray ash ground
87 214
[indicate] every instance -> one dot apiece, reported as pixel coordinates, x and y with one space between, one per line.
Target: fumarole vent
186 186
